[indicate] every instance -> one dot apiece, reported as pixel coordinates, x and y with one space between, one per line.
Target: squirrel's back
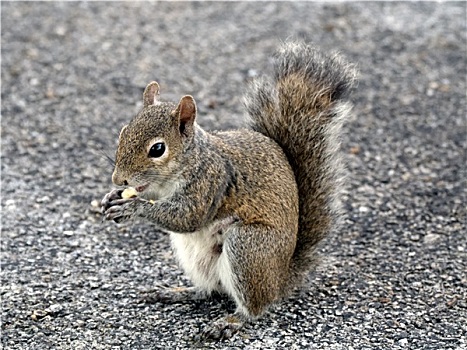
272 180
303 110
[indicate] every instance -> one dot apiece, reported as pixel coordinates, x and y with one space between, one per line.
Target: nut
129 193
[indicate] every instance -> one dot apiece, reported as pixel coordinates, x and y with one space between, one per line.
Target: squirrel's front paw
115 208
110 197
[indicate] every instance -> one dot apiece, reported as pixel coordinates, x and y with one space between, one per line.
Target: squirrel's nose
118 180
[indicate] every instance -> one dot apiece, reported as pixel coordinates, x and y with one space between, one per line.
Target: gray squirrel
245 209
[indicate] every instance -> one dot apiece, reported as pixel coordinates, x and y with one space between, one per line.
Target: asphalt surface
73 73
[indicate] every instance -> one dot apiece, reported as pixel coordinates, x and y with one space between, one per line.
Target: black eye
157 150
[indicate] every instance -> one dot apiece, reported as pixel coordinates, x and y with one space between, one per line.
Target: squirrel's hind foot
172 295
222 329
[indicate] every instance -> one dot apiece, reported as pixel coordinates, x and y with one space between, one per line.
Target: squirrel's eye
157 150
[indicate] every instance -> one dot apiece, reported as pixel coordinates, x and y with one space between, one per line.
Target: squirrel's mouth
141 188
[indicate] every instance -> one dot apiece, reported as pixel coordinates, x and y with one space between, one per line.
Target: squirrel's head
152 146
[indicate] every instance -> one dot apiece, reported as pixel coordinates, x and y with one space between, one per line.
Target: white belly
202 256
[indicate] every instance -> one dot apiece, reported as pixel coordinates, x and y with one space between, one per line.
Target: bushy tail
303 110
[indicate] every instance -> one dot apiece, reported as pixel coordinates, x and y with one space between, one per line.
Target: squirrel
245 209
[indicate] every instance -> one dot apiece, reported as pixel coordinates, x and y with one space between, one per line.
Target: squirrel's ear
187 114
121 131
151 94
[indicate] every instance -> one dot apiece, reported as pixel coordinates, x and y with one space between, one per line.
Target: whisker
104 155
109 159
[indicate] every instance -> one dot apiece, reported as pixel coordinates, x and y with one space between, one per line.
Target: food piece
129 193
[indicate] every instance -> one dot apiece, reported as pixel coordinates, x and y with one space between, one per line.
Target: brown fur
262 197
303 110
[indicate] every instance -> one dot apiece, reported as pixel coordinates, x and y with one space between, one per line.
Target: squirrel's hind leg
259 267
254 278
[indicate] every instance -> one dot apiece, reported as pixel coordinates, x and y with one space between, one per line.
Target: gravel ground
73 73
